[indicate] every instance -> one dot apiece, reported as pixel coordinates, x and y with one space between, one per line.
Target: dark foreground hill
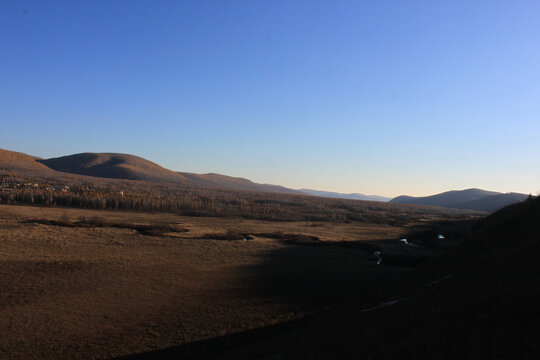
121 166
478 301
470 199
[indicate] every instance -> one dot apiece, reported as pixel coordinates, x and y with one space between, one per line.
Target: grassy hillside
11 161
108 165
105 168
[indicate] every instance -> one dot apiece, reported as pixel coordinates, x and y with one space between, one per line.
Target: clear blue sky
380 97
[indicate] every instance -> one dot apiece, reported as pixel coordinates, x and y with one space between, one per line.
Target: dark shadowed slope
353 196
479 300
470 199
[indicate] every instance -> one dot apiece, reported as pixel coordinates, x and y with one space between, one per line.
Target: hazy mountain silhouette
470 199
353 196
237 183
494 202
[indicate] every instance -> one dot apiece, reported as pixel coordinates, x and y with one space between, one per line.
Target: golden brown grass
90 284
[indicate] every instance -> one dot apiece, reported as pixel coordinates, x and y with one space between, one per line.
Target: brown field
98 284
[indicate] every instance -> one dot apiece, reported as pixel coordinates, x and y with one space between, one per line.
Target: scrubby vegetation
479 300
154 229
191 201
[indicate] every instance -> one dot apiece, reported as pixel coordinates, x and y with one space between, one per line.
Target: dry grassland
88 284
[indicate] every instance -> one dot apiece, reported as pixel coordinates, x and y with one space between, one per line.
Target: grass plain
79 283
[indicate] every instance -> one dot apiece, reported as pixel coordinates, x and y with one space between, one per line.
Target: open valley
87 284
269 180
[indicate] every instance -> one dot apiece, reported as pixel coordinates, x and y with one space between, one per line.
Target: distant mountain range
470 199
353 196
130 167
85 166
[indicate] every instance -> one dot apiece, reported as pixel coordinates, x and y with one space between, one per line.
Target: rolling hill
130 167
469 199
20 163
352 196
109 165
121 166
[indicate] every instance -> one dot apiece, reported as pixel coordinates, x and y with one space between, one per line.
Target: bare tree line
142 196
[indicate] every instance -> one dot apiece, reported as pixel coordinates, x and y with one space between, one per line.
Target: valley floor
100 291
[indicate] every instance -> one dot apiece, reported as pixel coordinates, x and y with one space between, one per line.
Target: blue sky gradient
378 97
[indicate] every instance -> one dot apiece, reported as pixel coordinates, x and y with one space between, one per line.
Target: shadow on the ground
311 276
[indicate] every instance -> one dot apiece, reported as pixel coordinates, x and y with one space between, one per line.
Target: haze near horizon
379 98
